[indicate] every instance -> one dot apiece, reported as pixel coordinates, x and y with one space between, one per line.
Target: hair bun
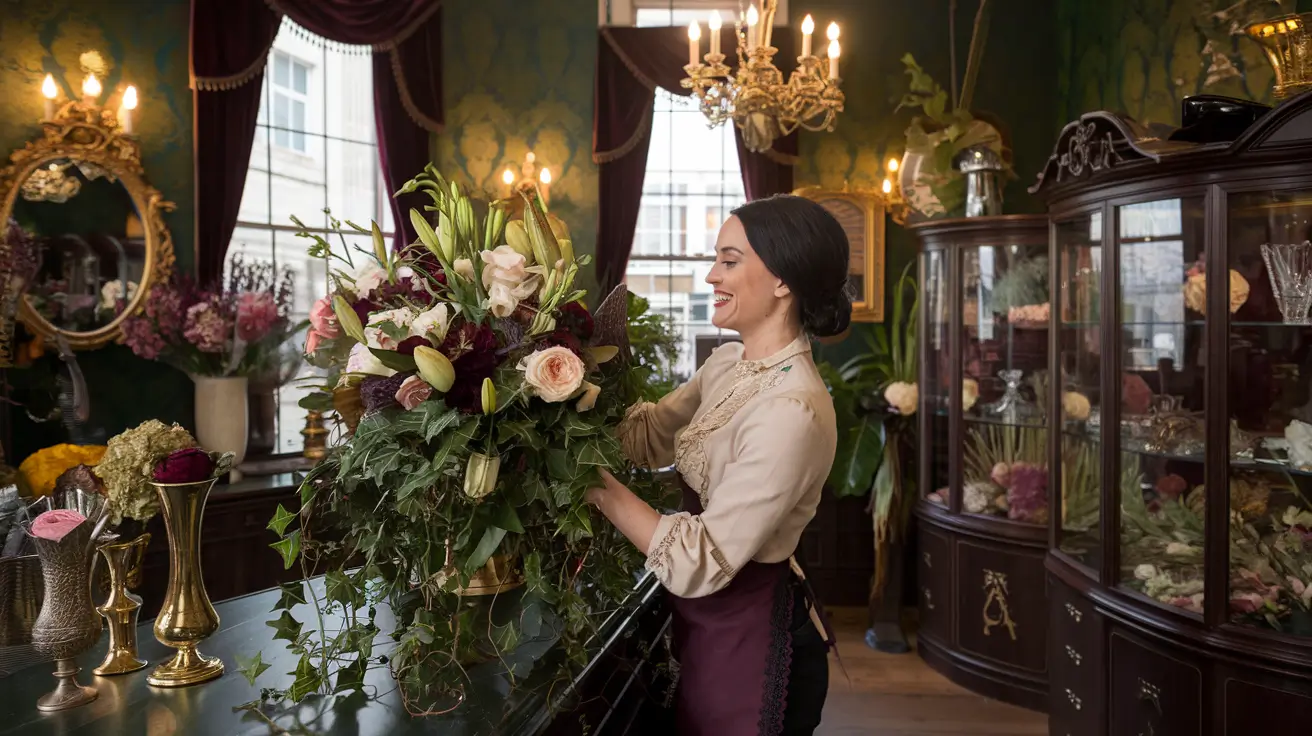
829 317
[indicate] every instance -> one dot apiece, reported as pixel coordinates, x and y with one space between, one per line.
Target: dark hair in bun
802 244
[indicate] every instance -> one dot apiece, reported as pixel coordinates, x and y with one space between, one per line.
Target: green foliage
1024 283
655 346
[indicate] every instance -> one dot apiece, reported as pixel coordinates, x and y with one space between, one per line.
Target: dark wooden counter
606 697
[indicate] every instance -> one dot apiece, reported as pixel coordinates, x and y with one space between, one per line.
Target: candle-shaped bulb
545 176
91 86
832 32
508 176
694 45
887 186
808 25
892 165
715 22
714 25
48 87
130 98
834 52
752 16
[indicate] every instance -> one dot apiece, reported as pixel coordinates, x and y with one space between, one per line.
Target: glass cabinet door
1270 454
1162 309
933 373
1004 353
1078 244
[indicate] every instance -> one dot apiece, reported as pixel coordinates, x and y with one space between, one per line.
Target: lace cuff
658 556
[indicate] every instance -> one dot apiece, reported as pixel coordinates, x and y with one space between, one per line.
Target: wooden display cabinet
1180 532
983 463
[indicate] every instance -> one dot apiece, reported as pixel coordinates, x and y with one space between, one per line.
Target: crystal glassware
1289 267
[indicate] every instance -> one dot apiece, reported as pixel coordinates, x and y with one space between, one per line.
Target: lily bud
434 368
545 249
380 245
566 249
558 227
348 319
481 474
517 238
426 235
489 397
446 237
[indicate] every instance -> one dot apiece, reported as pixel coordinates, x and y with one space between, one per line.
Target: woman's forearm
634 517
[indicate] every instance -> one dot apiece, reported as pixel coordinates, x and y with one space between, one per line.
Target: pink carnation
164 306
256 314
323 319
207 328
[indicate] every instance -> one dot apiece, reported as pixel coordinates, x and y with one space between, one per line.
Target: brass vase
68 624
121 608
187 617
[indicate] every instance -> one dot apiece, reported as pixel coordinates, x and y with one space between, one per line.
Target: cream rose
902 397
555 374
375 334
504 264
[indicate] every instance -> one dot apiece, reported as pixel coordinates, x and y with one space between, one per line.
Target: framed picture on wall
861 213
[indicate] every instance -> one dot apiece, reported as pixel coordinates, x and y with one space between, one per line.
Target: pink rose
56 524
256 314
312 339
555 373
413 392
323 320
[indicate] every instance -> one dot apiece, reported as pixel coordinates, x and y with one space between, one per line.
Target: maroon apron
734 650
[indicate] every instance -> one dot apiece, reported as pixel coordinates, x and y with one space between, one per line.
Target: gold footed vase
121 608
68 624
187 617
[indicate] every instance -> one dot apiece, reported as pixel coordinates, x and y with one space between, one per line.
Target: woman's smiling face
746 293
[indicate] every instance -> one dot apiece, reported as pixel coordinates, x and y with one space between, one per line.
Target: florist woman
753 438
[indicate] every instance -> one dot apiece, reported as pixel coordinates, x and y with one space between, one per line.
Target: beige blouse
755 439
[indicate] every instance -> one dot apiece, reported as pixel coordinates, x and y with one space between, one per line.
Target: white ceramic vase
221 416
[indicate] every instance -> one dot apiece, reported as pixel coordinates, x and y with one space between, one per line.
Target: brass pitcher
187 617
121 608
68 624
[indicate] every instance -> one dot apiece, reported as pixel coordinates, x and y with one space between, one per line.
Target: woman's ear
781 289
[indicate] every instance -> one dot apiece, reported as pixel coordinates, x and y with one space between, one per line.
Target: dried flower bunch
129 465
230 329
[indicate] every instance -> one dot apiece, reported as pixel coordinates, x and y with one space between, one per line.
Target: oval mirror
80 195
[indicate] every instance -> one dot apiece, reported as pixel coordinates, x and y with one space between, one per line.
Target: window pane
281 138
300 76
298 115
350 100
255 196
351 181
281 114
280 69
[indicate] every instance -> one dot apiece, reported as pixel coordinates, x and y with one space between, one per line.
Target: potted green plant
875 399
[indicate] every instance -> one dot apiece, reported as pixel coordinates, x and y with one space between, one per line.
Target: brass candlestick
316 435
187 617
122 607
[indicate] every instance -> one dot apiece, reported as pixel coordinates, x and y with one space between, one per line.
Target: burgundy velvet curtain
631 64
230 41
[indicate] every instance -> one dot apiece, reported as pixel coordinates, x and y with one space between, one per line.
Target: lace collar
750 367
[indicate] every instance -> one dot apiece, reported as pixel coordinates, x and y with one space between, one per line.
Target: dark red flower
468 338
408 345
565 339
575 318
466 393
191 465
362 308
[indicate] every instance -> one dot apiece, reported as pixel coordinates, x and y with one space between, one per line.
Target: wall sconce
91 91
529 176
892 188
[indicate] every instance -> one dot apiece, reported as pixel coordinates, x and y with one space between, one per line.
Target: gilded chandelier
756 97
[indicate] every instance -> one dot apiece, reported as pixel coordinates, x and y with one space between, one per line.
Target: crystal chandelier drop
756 97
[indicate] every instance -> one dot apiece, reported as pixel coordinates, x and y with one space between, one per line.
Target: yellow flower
42 468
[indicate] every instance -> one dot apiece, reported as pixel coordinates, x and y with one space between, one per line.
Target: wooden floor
899 695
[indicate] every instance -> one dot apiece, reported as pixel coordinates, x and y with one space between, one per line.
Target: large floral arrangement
233 328
489 396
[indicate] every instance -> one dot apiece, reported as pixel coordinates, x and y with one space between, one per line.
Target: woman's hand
634 517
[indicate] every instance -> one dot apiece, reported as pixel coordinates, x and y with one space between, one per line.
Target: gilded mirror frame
89 133
867 306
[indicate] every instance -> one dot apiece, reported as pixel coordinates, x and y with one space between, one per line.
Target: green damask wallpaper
518 76
140 42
